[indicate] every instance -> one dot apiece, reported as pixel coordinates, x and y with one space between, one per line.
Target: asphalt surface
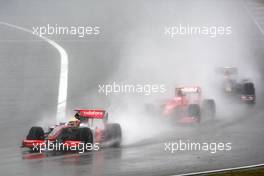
29 74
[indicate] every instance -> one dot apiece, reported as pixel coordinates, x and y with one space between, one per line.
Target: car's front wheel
35 133
209 108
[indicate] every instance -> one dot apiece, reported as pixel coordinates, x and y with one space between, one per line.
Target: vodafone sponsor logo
92 113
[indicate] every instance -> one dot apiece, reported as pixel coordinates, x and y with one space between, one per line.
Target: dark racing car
246 92
242 90
88 127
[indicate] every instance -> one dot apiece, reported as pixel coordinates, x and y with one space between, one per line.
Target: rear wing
91 113
194 89
226 71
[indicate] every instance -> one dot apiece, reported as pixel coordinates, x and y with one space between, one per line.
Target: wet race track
132 46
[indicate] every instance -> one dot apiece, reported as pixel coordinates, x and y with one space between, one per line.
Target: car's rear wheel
113 134
35 133
86 135
209 108
249 90
194 111
83 135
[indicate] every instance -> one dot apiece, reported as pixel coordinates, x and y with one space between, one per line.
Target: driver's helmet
74 122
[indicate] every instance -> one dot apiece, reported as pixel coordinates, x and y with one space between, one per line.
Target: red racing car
89 128
188 106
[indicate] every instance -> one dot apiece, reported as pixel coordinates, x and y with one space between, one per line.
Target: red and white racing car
86 127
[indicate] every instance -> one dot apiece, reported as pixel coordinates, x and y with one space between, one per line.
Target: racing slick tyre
249 90
35 133
194 111
86 135
209 108
113 134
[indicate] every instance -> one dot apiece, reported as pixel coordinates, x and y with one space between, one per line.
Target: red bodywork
86 115
32 143
184 96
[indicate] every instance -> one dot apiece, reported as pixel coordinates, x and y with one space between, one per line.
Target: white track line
253 18
63 82
221 170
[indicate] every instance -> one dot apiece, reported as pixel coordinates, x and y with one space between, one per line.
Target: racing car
188 106
229 82
243 89
246 91
88 126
